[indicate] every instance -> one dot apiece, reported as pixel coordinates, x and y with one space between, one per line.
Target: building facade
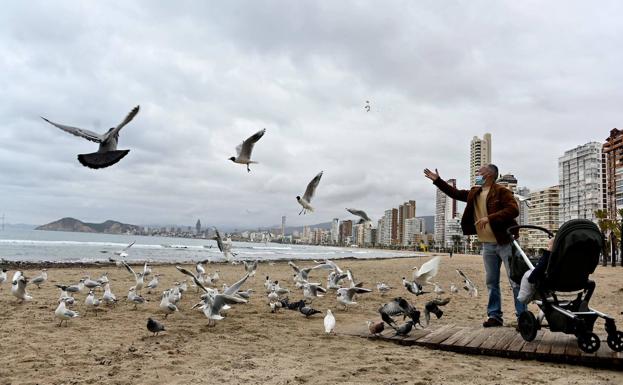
581 179
543 212
445 209
479 155
613 162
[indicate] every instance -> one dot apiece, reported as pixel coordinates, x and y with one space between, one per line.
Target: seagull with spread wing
224 247
471 288
305 201
361 214
245 148
107 154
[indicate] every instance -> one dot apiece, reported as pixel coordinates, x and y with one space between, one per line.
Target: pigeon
40 279
329 322
308 311
345 296
64 314
433 307
404 329
155 326
469 286
294 305
245 148
305 201
361 214
413 287
426 272
107 154
376 328
398 306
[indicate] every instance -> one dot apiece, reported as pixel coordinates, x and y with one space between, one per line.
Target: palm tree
456 242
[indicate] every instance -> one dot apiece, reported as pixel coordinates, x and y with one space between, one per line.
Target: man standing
490 210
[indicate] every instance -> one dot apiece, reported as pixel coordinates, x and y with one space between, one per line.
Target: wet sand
253 345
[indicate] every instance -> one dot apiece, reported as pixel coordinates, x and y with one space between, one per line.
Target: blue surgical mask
480 180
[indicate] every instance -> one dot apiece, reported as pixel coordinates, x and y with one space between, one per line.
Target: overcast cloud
542 77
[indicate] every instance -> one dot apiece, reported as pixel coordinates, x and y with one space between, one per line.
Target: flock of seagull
213 302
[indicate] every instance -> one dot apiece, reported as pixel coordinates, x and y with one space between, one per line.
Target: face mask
480 180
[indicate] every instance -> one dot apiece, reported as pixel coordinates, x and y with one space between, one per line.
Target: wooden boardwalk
505 342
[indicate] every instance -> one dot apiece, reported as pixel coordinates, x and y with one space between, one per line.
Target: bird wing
128 246
221 300
233 289
244 150
359 290
86 134
145 268
128 119
360 213
190 274
467 280
129 268
427 271
219 240
294 267
311 187
391 308
440 302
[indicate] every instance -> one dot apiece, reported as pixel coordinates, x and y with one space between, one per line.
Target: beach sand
254 346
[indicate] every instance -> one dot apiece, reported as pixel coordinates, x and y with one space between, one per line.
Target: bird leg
301 212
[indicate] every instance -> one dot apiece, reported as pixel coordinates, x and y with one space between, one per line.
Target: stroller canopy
575 255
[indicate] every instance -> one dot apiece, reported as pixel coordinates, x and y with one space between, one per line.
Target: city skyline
210 76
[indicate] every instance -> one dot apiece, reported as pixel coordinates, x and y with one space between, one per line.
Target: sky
541 77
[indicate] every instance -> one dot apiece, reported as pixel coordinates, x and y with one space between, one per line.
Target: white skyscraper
581 177
479 155
445 209
335 231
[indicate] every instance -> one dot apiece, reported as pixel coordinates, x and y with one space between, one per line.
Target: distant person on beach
490 210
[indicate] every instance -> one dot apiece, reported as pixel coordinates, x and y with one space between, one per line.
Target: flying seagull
469 286
305 201
245 148
107 154
523 199
361 214
428 270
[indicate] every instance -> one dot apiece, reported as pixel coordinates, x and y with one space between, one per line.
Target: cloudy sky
541 77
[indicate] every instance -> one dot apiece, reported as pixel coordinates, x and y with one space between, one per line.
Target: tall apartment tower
445 209
544 212
613 153
335 231
283 226
479 155
523 206
405 211
581 178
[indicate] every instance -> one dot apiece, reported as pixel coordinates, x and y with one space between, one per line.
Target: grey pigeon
154 326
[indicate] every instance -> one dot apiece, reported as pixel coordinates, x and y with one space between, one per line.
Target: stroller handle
510 229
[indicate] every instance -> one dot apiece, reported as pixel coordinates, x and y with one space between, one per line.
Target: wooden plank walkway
504 342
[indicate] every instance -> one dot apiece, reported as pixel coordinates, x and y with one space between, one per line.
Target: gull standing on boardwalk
305 201
107 154
245 148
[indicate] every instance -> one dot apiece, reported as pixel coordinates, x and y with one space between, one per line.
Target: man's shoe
492 322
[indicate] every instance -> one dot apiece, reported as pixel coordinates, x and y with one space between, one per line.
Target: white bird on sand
471 288
165 306
109 298
66 297
92 302
64 314
312 291
214 304
200 268
346 296
40 279
250 267
103 279
138 277
3 276
334 279
136 299
383 288
429 269
329 322
91 284
453 289
107 154
18 289
305 201
244 149
438 289
153 283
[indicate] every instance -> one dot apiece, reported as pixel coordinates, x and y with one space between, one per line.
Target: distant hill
72 224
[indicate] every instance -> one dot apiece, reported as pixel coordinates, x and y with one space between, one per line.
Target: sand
254 346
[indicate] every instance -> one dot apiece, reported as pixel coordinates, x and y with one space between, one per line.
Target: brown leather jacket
502 208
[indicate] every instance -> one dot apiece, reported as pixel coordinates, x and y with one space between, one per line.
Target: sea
70 247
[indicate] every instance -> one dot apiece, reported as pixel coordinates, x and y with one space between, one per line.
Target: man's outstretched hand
431 175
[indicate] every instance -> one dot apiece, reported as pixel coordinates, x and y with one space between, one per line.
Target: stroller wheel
528 325
589 342
615 341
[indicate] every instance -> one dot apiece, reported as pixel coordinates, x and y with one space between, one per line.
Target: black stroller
574 256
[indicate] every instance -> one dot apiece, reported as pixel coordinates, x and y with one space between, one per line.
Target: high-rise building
544 212
445 209
509 181
283 226
452 230
198 226
346 232
479 155
581 178
413 226
335 231
394 231
405 211
523 206
613 152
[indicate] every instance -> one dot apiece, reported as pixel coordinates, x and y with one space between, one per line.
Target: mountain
72 224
